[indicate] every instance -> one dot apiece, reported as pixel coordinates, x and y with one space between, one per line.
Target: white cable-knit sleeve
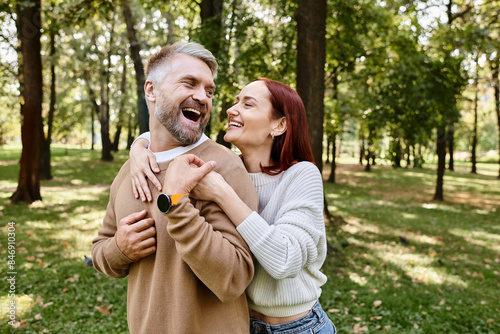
297 236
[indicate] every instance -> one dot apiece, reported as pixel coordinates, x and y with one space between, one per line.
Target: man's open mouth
191 114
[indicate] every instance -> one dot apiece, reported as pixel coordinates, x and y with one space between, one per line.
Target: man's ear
149 91
279 126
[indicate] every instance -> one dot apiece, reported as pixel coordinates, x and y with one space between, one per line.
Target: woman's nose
232 111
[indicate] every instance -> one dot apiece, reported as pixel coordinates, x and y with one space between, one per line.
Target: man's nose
200 94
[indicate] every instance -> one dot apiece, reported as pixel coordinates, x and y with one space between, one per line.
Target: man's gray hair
156 68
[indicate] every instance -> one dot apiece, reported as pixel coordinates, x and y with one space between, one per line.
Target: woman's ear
149 91
279 126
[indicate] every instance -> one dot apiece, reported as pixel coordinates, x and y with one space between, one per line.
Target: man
187 265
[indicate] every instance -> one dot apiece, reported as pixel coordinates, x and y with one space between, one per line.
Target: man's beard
168 115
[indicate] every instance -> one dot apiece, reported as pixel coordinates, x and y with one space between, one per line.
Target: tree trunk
45 170
211 21
92 128
135 48
222 117
441 153
369 153
171 27
495 65
101 111
130 131
104 119
451 145
311 54
28 188
474 133
331 179
328 148
121 110
362 148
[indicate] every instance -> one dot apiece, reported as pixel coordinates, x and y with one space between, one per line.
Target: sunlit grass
399 262
406 264
52 237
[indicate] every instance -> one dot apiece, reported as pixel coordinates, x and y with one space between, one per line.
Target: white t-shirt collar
175 152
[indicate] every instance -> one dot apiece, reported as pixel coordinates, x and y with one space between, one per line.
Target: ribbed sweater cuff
251 228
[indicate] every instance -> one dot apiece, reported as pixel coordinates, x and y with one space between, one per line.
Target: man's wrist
166 202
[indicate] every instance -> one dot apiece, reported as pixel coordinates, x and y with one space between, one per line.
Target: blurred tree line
420 75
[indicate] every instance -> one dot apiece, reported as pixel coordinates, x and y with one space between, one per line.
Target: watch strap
175 198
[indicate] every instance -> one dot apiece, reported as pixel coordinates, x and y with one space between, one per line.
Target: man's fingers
133 217
196 160
207 168
145 225
147 251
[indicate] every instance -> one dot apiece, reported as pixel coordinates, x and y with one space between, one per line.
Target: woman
287 237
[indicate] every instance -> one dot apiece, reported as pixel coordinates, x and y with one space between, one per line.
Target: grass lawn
398 262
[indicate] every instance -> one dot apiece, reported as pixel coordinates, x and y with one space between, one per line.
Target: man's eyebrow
196 79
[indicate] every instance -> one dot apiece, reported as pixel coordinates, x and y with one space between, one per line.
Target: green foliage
394 69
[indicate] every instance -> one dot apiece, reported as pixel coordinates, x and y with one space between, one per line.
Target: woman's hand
184 172
210 188
143 165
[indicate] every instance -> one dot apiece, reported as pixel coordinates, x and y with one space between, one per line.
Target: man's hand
135 236
184 172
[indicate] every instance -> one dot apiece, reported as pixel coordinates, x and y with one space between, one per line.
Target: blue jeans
316 321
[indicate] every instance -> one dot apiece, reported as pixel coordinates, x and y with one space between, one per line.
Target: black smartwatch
166 202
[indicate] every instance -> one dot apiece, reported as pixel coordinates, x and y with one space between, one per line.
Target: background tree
311 54
135 49
29 20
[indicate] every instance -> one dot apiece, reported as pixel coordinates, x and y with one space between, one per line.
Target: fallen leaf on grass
30 258
377 317
488 260
358 329
42 264
21 324
73 279
38 316
377 303
490 321
416 326
31 233
442 302
104 310
334 310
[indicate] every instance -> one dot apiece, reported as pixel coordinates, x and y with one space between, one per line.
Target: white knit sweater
288 240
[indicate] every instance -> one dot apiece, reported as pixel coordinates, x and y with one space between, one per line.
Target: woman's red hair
293 145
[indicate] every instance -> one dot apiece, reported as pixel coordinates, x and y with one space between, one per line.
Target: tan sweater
196 280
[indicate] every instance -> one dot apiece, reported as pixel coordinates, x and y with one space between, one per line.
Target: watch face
164 203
